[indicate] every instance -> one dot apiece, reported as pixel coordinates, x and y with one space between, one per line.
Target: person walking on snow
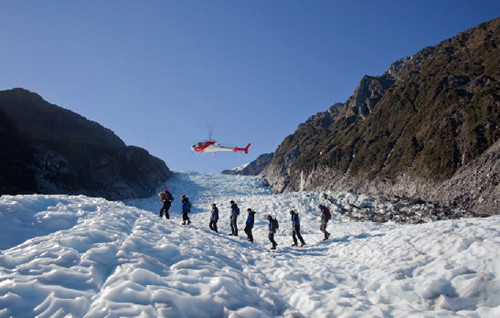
214 218
325 216
235 211
272 229
296 228
186 208
249 224
167 198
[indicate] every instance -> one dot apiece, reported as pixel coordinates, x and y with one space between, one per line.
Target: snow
79 256
240 168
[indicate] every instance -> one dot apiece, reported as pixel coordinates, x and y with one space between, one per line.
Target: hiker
186 208
235 211
273 225
167 198
249 224
296 228
214 218
325 216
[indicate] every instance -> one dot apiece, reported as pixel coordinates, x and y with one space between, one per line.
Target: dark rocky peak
48 149
35 117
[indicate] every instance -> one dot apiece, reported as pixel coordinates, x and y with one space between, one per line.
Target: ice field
75 256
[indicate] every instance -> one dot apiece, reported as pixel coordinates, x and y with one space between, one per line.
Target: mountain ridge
407 131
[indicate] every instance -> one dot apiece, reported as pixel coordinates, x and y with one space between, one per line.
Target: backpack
275 223
328 214
166 196
236 210
169 197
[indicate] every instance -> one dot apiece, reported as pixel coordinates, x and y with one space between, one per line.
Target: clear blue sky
161 73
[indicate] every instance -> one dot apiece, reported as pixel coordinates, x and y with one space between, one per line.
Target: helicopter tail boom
236 149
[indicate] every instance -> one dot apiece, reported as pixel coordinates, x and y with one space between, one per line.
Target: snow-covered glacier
75 256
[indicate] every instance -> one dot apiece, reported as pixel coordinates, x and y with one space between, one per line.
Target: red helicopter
211 146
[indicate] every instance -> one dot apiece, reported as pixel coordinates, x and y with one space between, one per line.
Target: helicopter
211 146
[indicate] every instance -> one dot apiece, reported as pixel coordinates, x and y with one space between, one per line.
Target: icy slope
80 256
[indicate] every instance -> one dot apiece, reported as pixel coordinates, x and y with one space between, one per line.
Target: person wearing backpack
249 224
235 211
325 217
296 228
273 226
214 218
167 198
186 208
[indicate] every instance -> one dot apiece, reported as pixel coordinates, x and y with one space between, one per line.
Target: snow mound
79 256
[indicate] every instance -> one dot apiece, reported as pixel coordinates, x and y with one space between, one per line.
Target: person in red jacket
167 198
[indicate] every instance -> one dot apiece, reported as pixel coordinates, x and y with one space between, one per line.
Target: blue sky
162 74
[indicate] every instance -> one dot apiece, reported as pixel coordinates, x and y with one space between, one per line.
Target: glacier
77 256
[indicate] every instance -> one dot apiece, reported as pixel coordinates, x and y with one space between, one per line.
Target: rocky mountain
416 131
253 168
48 149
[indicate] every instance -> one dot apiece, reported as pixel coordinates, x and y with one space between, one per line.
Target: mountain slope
253 168
407 131
73 255
53 150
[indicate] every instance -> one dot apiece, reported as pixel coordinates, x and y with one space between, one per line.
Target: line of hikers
167 198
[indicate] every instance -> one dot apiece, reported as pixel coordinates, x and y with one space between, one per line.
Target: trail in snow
80 256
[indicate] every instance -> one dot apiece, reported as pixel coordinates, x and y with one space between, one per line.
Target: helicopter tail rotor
236 149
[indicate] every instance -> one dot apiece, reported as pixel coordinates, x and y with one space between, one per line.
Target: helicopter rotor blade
210 130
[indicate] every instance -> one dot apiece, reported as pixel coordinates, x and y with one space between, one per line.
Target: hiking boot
327 235
294 244
302 244
189 222
273 248
183 223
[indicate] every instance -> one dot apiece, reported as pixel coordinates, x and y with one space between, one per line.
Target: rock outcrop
47 149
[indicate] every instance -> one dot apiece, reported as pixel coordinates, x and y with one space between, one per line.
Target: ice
78 256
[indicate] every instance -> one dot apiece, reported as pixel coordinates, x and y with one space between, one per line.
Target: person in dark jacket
296 228
235 211
214 218
272 230
249 224
167 198
186 208
324 221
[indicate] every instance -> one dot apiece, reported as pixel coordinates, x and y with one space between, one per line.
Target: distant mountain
428 119
48 149
253 168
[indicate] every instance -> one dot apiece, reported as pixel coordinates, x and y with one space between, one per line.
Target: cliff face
409 132
48 149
